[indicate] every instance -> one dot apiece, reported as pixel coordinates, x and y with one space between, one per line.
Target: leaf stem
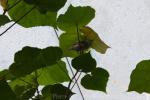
37 85
76 80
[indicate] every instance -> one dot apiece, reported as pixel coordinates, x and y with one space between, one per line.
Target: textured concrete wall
123 24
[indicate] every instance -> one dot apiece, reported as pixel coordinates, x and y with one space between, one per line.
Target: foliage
75 16
140 77
97 80
35 67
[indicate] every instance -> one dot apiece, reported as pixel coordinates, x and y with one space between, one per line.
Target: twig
71 69
76 80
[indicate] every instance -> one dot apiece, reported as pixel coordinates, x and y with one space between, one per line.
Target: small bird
81 46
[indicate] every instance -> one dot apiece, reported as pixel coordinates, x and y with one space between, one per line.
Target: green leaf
56 73
97 43
140 77
66 42
51 55
56 92
3 20
39 16
96 81
75 16
84 63
26 61
47 5
30 59
5 91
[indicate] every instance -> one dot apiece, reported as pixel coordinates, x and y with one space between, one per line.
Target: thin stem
69 65
71 69
76 80
56 33
72 79
37 84
4 12
80 52
17 21
78 36
65 57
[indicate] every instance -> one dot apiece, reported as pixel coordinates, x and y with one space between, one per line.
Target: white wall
123 24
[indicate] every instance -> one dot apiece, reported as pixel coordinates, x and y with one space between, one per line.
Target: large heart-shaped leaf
96 81
30 59
56 73
56 92
3 20
97 43
84 63
36 17
75 17
6 92
140 77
